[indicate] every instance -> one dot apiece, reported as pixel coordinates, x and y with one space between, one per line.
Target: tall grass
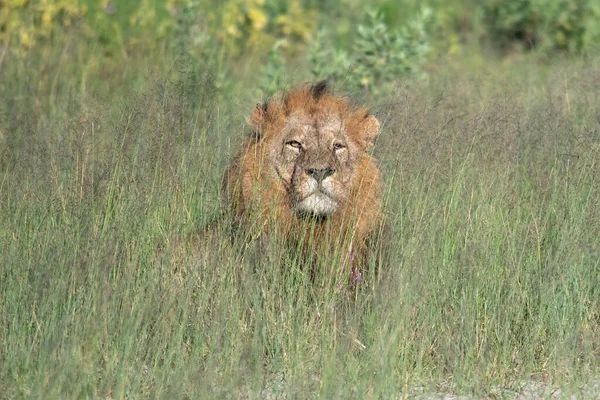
492 276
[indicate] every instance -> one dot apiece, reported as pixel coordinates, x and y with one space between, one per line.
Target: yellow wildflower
258 18
26 40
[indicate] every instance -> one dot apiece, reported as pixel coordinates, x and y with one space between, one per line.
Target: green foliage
190 32
247 25
325 61
273 77
377 58
548 24
28 23
199 55
380 57
366 50
139 26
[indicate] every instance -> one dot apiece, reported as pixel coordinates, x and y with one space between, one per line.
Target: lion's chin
316 205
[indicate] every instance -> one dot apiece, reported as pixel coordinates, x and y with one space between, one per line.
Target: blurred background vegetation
365 45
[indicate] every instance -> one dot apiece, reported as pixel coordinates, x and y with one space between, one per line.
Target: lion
305 173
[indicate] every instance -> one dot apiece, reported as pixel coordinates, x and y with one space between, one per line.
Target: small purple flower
356 276
339 286
110 9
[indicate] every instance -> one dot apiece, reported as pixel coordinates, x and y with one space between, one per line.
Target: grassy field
492 278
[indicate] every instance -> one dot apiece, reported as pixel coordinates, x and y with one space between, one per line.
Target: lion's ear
256 120
369 131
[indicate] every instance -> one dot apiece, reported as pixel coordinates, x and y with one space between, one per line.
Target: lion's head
307 158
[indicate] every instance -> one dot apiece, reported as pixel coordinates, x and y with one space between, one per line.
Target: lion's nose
320 173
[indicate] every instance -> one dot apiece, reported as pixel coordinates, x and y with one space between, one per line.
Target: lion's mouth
317 204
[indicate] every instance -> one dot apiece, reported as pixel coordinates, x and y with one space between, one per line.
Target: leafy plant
546 24
273 77
381 56
252 24
327 62
378 56
188 29
26 23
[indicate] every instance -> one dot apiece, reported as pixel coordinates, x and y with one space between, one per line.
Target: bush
381 56
273 77
377 58
25 24
546 24
243 25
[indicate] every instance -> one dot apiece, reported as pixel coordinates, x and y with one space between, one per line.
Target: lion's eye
294 144
338 146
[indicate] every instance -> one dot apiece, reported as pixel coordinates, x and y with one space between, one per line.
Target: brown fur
296 140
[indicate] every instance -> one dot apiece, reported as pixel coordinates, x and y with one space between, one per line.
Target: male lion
305 174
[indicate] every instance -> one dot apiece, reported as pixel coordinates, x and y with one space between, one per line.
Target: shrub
249 24
546 24
273 77
24 24
376 59
380 57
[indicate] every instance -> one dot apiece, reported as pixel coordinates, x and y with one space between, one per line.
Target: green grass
492 276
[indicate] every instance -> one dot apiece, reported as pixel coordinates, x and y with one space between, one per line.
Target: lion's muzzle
316 198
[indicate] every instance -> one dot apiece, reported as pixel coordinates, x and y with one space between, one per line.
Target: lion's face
315 160
309 149
307 155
